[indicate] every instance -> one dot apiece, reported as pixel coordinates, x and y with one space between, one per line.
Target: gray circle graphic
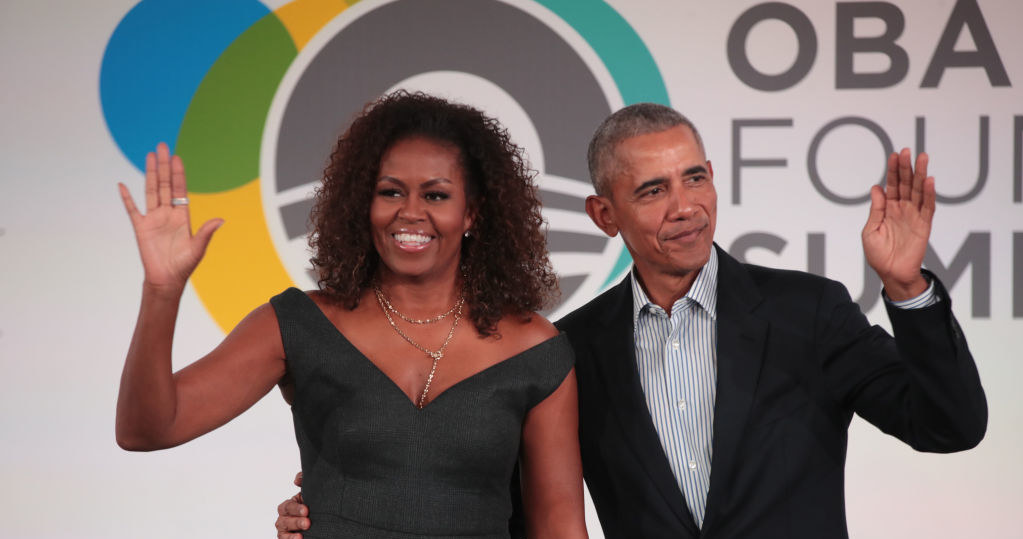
486 38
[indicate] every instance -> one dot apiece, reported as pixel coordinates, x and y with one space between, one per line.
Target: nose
680 206
411 210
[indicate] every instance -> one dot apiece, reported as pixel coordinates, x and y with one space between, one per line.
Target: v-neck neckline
337 331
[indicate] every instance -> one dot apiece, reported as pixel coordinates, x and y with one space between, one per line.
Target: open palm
169 250
899 225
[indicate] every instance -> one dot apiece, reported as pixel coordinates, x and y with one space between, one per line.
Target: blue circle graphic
155 60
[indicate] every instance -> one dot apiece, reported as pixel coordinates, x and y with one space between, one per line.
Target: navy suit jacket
795 360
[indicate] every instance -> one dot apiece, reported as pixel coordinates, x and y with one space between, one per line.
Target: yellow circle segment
242 269
304 18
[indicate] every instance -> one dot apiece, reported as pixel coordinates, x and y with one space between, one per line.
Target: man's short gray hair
631 121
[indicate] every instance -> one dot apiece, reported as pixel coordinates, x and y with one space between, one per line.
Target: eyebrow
435 181
648 184
696 169
427 183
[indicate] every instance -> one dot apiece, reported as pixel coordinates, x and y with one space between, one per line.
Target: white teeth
417 239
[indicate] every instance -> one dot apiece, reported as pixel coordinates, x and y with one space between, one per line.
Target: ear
710 170
602 214
469 218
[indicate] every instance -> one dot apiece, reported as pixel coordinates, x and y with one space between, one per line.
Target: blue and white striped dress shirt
676 356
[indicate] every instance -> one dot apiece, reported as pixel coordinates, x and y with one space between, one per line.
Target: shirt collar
704 291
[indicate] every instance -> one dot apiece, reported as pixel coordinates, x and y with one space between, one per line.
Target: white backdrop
70 278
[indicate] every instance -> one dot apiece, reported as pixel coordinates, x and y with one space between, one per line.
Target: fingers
163 173
919 175
878 201
891 178
205 234
929 198
922 161
905 174
152 197
293 508
292 515
291 526
178 187
129 203
292 518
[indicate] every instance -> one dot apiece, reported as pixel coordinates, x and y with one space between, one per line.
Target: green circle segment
221 132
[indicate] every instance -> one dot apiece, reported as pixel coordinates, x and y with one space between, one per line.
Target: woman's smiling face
420 209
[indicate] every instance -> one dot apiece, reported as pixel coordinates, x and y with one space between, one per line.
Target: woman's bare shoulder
320 297
335 309
524 332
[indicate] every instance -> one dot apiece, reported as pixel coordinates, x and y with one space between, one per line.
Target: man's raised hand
899 225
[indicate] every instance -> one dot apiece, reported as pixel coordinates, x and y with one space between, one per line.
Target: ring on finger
179 201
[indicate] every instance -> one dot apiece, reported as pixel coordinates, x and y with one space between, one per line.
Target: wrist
165 291
898 290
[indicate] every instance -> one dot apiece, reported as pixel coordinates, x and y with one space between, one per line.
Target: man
715 396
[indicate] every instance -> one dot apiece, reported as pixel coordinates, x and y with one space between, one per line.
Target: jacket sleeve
921 386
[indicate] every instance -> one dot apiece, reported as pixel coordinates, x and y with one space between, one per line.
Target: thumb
877 206
205 234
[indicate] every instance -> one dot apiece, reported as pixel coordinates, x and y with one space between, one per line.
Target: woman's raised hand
168 249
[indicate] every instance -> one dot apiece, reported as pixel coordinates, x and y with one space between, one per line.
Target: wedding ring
179 201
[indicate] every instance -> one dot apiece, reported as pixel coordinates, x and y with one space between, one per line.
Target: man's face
662 200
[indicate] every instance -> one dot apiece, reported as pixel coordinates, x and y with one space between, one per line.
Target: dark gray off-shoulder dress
375 466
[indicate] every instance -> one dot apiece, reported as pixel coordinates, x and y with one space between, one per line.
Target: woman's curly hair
504 260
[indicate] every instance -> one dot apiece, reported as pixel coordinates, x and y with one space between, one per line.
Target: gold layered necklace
435 355
386 303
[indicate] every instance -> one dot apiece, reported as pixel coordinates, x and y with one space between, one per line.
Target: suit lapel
615 354
740 348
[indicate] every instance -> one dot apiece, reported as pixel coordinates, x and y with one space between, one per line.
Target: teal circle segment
626 57
619 47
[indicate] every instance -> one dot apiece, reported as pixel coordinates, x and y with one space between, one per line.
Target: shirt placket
679 387
660 389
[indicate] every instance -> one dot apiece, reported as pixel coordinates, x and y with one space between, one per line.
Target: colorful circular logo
253 100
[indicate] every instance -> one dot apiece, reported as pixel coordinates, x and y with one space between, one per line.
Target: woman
409 419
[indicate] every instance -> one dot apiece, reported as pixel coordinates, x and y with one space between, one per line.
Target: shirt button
675 345
692 465
682 405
